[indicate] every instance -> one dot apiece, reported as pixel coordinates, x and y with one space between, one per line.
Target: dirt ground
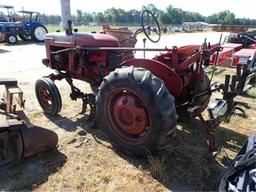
85 160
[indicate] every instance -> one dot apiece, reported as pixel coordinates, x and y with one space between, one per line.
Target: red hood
84 39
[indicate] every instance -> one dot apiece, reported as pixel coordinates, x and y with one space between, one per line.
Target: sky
241 8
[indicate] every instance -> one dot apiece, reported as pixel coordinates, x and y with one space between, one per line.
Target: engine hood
83 39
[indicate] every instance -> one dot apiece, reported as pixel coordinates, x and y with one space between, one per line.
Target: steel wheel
38 33
136 111
128 115
48 96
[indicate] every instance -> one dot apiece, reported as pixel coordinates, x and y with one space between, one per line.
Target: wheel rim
39 33
12 39
46 97
128 115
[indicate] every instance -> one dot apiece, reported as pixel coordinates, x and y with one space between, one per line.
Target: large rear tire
48 96
136 111
201 87
38 33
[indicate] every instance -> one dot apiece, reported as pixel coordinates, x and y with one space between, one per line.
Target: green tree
79 17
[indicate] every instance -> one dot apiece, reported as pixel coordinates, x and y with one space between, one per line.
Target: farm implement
137 101
247 39
18 137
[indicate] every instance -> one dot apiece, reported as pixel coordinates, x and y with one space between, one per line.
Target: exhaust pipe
65 14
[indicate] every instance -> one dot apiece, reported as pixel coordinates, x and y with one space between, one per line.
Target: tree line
169 16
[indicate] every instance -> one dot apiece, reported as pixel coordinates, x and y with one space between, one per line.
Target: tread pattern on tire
33 33
159 98
54 91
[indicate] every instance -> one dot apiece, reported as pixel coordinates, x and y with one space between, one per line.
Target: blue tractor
28 29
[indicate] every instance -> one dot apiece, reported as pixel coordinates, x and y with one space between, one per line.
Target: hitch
87 99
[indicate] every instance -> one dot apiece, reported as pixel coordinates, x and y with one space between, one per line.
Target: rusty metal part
37 139
210 128
88 99
11 147
13 96
18 141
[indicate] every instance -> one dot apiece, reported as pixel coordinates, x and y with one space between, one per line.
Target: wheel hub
130 114
12 39
46 96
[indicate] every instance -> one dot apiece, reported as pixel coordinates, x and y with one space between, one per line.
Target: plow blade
17 141
38 139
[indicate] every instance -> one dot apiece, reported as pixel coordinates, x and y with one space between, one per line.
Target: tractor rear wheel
136 111
201 87
38 33
48 96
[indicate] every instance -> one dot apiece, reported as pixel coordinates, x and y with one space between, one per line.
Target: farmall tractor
135 101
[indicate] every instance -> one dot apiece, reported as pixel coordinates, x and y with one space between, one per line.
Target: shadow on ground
4 51
41 166
25 43
187 165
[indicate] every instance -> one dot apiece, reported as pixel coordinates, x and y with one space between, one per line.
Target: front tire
136 111
48 96
11 39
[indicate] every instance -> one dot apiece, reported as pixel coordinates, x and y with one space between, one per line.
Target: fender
171 79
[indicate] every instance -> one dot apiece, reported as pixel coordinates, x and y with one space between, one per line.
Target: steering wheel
147 18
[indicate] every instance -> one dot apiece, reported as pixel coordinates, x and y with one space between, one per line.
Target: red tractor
135 101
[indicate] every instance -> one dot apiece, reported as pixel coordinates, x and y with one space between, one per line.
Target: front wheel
48 96
136 111
38 33
11 39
